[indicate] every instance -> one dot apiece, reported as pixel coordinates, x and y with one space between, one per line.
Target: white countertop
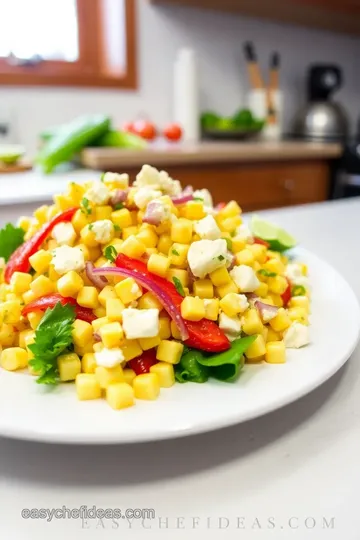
270 475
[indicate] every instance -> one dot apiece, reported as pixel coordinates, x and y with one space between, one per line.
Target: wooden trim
86 72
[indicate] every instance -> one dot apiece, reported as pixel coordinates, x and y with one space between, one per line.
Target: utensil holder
258 104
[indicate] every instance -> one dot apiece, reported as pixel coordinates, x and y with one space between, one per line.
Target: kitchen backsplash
218 38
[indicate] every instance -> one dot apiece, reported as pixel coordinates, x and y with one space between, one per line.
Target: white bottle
186 94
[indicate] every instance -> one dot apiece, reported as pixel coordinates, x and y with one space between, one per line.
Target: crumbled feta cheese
120 180
293 271
144 195
245 278
230 325
244 232
149 176
135 289
296 336
205 256
103 231
207 228
169 185
241 302
98 193
140 323
205 195
66 258
109 357
268 314
64 233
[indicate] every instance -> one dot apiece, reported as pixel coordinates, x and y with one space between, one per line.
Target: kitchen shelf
334 15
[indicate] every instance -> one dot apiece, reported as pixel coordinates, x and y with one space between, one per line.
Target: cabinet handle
289 184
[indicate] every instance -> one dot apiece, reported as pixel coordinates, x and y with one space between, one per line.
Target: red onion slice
163 298
98 281
182 199
266 311
154 213
120 196
97 337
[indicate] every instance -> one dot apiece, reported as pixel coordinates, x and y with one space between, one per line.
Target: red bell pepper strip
19 260
143 363
286 296
261 242
205 334
50 301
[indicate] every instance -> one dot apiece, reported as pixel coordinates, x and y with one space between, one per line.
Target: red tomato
286 296
144 129
261 242
173 132
143 363
128 127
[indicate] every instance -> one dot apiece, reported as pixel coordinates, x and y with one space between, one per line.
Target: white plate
29 411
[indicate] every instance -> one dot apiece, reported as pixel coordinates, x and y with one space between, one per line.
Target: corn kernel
180 274
169 351
131 349
274 265
120 395
24 223
107 292
106 376
230 210
181 231
194 210
212 309
87 236
276 300
259 252
98 323
149 301
114 309
158 265
80 220
112 335
275 352
220 277
24 335
86 349
203 288
103 212
88 363
148 237
14 358
251 323
76 192
175 332
192 309
165 373
232 304
34 319
129 231
257 348
129 375
299 314
245 256
164 328
262 290
238 243
278 284
70 284
7 335
300 301
149 343
164 243
53 275
63 202
87 387
10 312
98 347
20 282
122 218
132 247
230 287
128 290
82 333
264 333
230 224
281 321
88 297
40 261
69 366
42 286
272 335
146 386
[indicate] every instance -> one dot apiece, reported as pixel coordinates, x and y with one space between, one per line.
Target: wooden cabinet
258 185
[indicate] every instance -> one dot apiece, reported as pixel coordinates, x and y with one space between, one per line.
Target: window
68 43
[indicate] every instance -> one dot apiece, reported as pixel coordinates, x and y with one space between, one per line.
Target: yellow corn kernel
20 282
88 297
178 255
88 348
299 314
164 243
150 251
31 231
180 274
128 290
262 290
259 252
129 231
87 236
53 275
106 376
274 265
149 343
70 284
101 261
51 244
257 348
88 363
120 395
112 334
276 300
24 223
40 261
69 366
163 228
122 218
245 256
278 284
10 312
114 309
87 386
211 309
169 351
281 321
232 304
98 347
146 386
203 288
264 333
41 214
274 255
107 292
14 358
158 264
148 237
103 212
129 375
131 349
192 309
100 312
80 220
7 335
251 323
132 247
149 301
194 210
272 335
230 210
230 224
181 231
275 352
230 287
41 286
238 243
220 277
98 323
24 335
82 333
76 192
300 301
175 332
165 373
164 328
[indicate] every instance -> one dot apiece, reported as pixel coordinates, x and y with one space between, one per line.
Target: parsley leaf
267 273
198 199
119 206
86 208
178 286
117 227
52 337
110 253
221 257
10 239
298 290
229 243
91 226
174 252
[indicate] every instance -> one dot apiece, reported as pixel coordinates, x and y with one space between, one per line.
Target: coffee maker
322 119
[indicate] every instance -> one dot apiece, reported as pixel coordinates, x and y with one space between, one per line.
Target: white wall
218 38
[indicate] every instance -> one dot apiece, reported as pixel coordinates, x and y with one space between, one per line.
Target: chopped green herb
110 253
233 234
10 239
53 336
221 257
198 199
229 244
117 227
178 286
298 290
174 252
267 273
119 206
102 177
86 208
91 226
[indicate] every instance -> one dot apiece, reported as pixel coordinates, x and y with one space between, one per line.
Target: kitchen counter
293 474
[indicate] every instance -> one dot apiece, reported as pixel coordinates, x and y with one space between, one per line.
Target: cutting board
21 166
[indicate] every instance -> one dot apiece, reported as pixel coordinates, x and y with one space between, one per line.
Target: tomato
144 129
286 296
173 132
261 242
143 363
128 127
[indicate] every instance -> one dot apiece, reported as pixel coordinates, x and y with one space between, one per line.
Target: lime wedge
278 239
11 153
